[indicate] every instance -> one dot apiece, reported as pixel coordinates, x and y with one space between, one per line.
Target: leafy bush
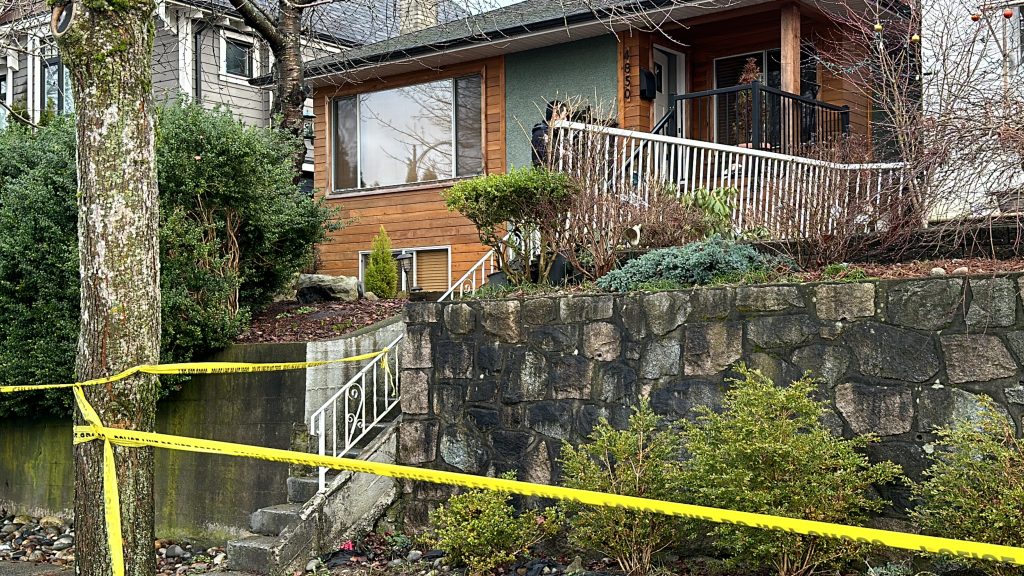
975 487
233 231
381 274
697 263
767 452
481 529
640 461
518 203
716 208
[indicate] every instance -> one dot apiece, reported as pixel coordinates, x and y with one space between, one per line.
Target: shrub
975 487
233 231
519 203
715 207
697 263
767 452
381 274
640 461
481 529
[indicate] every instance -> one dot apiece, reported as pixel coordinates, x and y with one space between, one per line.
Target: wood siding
414 216
635 53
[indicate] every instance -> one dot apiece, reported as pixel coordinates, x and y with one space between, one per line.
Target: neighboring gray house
202 49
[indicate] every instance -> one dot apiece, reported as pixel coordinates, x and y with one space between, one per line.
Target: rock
1015 395
884 351
960 271
942 406
396 562
937 271
601 341
661 358
539 310
312 288
881 410
678 400
370 296
780 331
925 304
459 318
712 303
828 363
501 319
576 567
583 308
312 565
174 551
463 451
64 543
8 528
51 522
767 298
22 519
665 311
993 303
711 347
976 358
219 559
845 301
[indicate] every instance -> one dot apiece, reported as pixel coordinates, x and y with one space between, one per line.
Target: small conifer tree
381 276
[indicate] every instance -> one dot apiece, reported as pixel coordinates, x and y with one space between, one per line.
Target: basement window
430 268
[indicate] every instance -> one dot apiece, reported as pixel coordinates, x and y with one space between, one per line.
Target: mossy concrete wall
197 495
584 71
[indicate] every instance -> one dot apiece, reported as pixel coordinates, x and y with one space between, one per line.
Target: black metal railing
755 116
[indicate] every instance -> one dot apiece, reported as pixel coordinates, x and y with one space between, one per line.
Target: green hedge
234 230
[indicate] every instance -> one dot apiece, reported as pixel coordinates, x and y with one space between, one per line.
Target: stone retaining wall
490 386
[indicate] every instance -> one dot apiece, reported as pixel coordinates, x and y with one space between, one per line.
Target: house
201 49
400 120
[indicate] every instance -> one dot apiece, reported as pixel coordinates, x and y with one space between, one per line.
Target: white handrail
484 267
365 403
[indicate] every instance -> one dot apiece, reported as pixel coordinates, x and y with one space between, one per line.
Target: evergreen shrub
381 274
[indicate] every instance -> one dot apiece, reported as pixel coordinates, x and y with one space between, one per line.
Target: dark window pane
469 159
238 58
345 144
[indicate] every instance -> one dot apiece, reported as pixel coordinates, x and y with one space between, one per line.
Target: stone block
537 464
1016 341
571 377
538 311
463 450
777 369
665 311
417 441
712 303
924 304
711 347
768 298
448 400
415 397
661 358
501 319
484 390
780 331
845 301
587 418
1014 394
513 416
555 338
415 350
680 399
615 382
454 359
421 312
828 363
601 341
976 358
483 418
510 445
550 418
942 406
884 351
583 308
459 318
631 311
993 303
881 410
489 357
526 379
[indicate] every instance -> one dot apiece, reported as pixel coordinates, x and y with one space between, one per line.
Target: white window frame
8 78
415 260
223 60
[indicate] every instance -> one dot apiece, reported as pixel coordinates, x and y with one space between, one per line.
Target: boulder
312 288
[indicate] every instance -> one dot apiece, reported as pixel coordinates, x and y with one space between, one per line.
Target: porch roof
522 26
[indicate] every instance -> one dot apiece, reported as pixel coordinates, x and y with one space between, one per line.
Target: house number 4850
627 80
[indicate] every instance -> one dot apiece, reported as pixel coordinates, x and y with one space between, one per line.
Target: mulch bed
294 322
923 268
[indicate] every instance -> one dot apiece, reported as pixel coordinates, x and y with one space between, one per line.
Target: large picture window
418 133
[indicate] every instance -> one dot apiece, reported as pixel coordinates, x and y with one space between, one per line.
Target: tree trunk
290 95
108 48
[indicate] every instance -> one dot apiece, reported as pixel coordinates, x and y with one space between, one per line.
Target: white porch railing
784 196
360 405
474 278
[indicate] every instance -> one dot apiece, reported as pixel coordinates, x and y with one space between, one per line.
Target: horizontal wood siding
414 218
165 64
636 112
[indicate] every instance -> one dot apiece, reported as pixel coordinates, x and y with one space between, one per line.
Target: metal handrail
469 278
354 393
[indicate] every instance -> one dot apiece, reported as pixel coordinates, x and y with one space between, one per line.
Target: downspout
197 65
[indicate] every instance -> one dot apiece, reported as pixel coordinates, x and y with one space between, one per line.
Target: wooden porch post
790 48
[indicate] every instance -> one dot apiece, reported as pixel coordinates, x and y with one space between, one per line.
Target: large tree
108 45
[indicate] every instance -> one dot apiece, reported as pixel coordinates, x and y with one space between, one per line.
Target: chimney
416 15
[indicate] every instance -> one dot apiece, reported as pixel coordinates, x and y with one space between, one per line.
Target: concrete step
302 488
272 520
255 554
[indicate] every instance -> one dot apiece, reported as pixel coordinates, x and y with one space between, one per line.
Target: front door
668 79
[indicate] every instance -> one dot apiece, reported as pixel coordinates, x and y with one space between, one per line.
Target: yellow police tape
94 430
193 368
